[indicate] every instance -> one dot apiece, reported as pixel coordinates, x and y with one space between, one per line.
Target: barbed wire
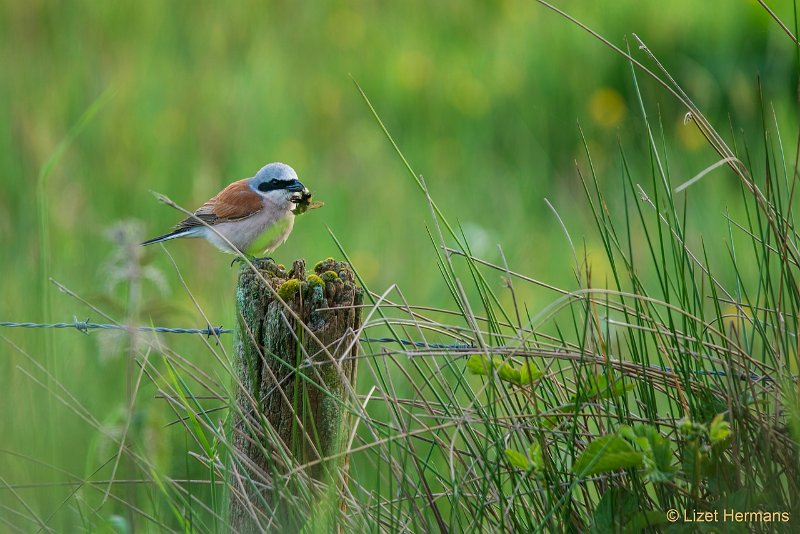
420 344
464 346
85 326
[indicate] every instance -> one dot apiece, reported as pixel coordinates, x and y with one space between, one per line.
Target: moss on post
295 394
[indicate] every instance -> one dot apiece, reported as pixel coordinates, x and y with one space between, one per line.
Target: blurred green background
483 98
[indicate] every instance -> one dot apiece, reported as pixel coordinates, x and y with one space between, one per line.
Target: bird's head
278 183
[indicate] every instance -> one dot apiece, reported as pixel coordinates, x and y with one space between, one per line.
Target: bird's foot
240 259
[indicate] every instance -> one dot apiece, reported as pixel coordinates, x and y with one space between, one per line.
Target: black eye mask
271 185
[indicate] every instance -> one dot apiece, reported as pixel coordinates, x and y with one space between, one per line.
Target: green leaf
719 429
605 454
478 364
535 455
613 510
692 463
528 373
594 388
517 459
508 373
599 387
691 430
657 451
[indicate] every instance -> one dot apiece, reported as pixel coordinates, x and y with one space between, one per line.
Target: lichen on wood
296 389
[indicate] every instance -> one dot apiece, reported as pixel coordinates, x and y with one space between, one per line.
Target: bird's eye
271 185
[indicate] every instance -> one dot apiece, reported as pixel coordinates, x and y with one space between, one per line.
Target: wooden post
295 395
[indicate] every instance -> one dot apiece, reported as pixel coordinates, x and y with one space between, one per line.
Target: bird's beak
295 186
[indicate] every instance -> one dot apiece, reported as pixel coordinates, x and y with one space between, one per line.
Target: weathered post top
296 369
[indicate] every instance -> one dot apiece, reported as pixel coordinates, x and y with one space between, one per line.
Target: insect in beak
301 196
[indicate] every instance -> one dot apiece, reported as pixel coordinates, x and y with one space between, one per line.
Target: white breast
264 231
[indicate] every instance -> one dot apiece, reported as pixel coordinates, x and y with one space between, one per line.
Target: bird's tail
186 232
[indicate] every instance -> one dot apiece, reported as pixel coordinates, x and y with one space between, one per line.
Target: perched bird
256 214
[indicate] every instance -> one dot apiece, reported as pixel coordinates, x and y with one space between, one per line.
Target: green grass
483 102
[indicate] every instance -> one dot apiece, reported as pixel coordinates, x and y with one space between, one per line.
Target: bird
255 215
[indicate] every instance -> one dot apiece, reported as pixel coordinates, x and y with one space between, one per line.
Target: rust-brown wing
234 203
